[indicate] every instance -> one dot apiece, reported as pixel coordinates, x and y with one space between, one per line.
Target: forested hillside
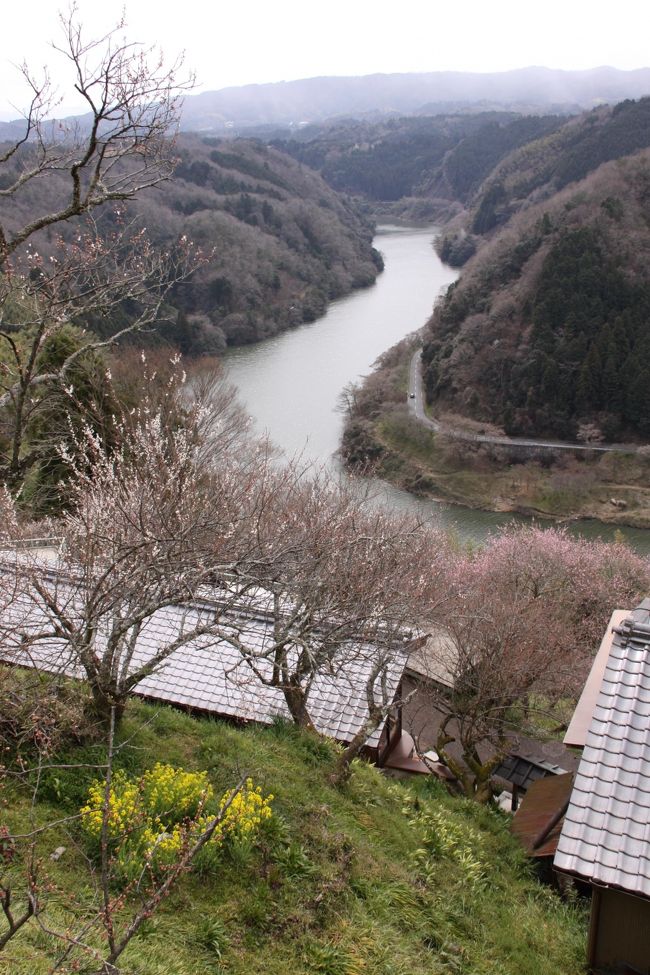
545 166
282 242
548 328
278 242
428 164
547 331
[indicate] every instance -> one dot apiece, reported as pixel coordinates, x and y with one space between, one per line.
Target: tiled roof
435 659
210 675
606 833
523 770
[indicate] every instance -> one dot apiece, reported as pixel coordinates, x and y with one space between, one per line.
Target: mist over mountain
315 99
294 103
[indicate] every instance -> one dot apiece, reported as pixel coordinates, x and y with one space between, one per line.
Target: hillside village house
209 676
605 838
538 821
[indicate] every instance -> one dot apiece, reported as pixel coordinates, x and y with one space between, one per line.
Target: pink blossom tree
525 615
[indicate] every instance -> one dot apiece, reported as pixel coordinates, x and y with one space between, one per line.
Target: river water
291 384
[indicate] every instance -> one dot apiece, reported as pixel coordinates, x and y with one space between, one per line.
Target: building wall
620 930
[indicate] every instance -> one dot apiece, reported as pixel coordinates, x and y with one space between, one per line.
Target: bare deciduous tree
115 279
94 276
186 512
345 581
171 509
133 99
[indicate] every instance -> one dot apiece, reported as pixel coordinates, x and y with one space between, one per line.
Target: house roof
523 770
606 832
533 823
208 673
434 657
576 733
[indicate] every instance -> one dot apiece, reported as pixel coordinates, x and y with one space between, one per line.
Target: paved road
416 406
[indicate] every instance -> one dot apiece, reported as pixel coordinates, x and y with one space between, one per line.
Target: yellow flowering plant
243 812
125 811
153 818
172 794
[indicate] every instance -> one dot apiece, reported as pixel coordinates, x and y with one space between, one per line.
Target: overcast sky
251 41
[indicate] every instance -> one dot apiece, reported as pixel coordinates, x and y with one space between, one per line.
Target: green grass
383 878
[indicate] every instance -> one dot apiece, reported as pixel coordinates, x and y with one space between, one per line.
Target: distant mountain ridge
315 99
430 164
285 103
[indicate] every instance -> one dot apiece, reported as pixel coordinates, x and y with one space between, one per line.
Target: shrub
39 713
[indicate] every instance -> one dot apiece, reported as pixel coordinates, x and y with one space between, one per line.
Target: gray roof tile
209 675
606 832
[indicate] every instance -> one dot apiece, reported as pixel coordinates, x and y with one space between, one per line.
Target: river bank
292 386
381 434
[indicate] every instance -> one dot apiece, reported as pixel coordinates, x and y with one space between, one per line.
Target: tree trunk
102 703
296 700
342 770
17 437
482 789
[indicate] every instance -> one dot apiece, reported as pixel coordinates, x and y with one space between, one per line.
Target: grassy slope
340 891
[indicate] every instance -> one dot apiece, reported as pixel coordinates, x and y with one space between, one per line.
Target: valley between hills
545 208
544 335
202 650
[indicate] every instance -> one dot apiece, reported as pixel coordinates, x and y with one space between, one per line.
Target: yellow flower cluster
162 846
156 815
245 812
247 809
164 795
170 793
124 807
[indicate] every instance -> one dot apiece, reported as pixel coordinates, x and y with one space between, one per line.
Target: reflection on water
291 384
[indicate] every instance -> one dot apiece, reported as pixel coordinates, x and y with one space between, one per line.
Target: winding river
291 384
